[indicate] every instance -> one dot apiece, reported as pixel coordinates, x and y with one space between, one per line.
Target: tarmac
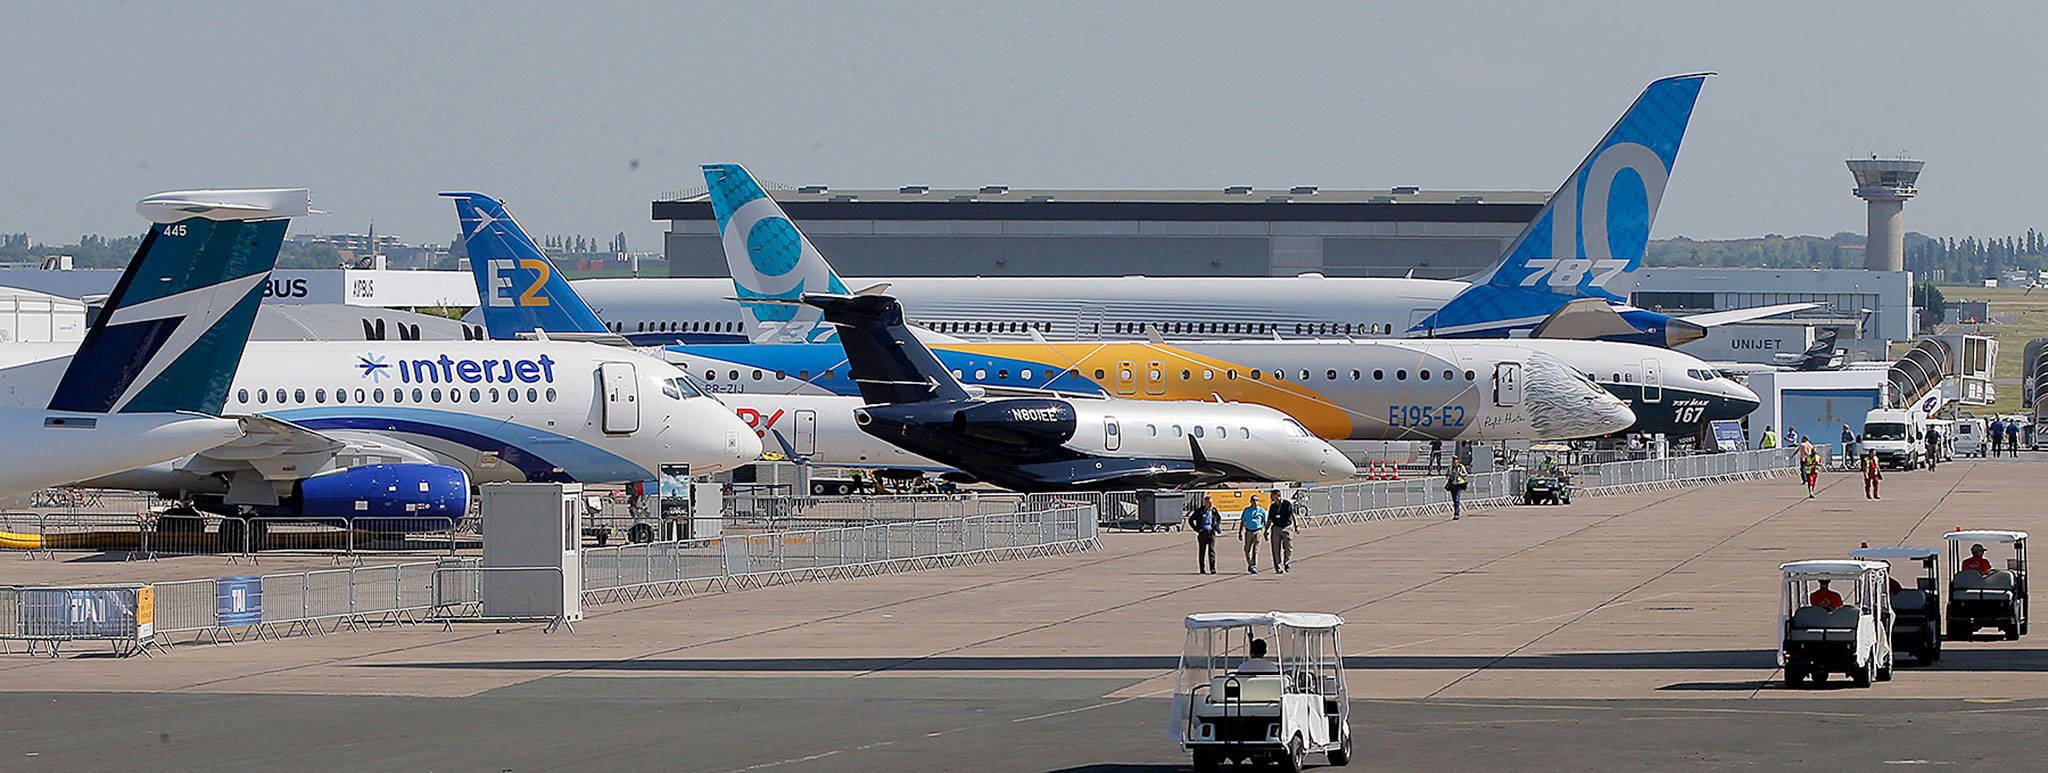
1635 629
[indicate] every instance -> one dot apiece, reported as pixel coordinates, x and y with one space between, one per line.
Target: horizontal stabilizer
1731 316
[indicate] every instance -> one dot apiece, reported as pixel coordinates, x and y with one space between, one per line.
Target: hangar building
1237 231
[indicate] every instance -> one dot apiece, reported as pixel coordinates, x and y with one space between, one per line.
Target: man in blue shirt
1254 521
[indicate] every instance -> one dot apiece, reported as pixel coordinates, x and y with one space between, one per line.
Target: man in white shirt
1257 663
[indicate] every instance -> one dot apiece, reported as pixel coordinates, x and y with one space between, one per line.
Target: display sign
1728 435
238 601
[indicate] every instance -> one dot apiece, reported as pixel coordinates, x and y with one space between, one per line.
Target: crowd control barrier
1678 471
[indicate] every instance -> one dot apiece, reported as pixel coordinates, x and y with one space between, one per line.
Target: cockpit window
668 387
687 386
1295 429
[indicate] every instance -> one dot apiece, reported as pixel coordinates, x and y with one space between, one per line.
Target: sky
578 115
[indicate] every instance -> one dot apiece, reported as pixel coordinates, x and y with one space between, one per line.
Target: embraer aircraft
1056 443
1593 230
521 294
1527 395
152 363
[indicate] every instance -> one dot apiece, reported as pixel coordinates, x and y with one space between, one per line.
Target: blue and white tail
770 260
1594 228
172 333
517 287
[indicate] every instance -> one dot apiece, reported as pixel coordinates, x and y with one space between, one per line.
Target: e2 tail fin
1593 229
517 286
172 333
770 259
886 360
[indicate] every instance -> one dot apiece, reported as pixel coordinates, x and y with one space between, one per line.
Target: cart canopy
1289 619
1986 535
1888 553
1830 569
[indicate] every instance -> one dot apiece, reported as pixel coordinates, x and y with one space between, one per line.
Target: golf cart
1916 630
1853 639
1996 600
1226 711
1547 484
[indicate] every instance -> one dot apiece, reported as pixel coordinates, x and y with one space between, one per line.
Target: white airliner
136 390
1592 230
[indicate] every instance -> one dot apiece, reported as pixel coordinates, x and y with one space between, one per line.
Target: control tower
1886 183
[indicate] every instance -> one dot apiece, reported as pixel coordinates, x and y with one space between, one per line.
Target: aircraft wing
1713 318
272 453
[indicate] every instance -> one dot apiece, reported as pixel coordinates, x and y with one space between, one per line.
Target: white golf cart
1995 600
1277 709
1854 638
1916 629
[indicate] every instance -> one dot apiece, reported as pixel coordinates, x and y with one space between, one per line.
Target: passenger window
1098 374
454 395
980 374
1176 430
733 375
241 395
1003 375
757 375
1401 375
1354 375
779 375
1208 375
1330 375
1024 374
710 375
1423 374
1304 374
494 394
1244 432
1152 430
418 396
1470 376
1257 373
828 374
512 395
1379 375
280 397
475 396
1198 430
1450 375
1230 374
804 374
551 394
320 395
262 396
298 395
1187 375
436 394
379 394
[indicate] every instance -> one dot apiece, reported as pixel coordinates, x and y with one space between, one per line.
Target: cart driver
1824 598
1257 663
1977 561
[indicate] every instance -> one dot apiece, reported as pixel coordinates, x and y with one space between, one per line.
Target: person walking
1933 448
1280 522
1995 431
1455 482
1770 439
1204 519
1848 443
1253 521
1871 475
1809 469
2012 438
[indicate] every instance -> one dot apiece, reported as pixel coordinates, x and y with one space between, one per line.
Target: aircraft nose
1335 466
1613 412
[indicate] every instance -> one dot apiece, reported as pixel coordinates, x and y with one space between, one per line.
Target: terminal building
1236 231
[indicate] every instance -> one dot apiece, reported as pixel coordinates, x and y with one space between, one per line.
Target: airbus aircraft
1058 443
1593 230
138 387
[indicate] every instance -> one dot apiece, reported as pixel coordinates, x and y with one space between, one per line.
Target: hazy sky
378 106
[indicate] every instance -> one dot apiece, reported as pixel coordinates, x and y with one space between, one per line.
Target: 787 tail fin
769 258
1593 229
172 333
517 286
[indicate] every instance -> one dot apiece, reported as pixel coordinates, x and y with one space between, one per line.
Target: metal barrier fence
1650 474
1406 498
767 558
148 535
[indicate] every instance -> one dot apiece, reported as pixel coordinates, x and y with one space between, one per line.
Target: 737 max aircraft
138 387
1592 230
1348 389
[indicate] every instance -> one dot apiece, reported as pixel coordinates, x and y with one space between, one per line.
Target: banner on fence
238 601
111 612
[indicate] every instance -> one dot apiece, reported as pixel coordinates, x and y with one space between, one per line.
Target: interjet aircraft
148 380
1592 231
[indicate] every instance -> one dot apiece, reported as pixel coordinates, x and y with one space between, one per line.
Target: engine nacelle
1024 422
384 497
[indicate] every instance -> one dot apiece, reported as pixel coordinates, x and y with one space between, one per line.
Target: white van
1897 435
1969 438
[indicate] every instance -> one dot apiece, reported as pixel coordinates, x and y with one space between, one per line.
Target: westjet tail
158 359
1593 230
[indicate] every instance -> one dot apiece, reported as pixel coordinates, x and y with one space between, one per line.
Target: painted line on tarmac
1638 586
1938 503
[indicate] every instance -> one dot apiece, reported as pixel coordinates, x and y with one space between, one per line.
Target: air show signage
112 612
